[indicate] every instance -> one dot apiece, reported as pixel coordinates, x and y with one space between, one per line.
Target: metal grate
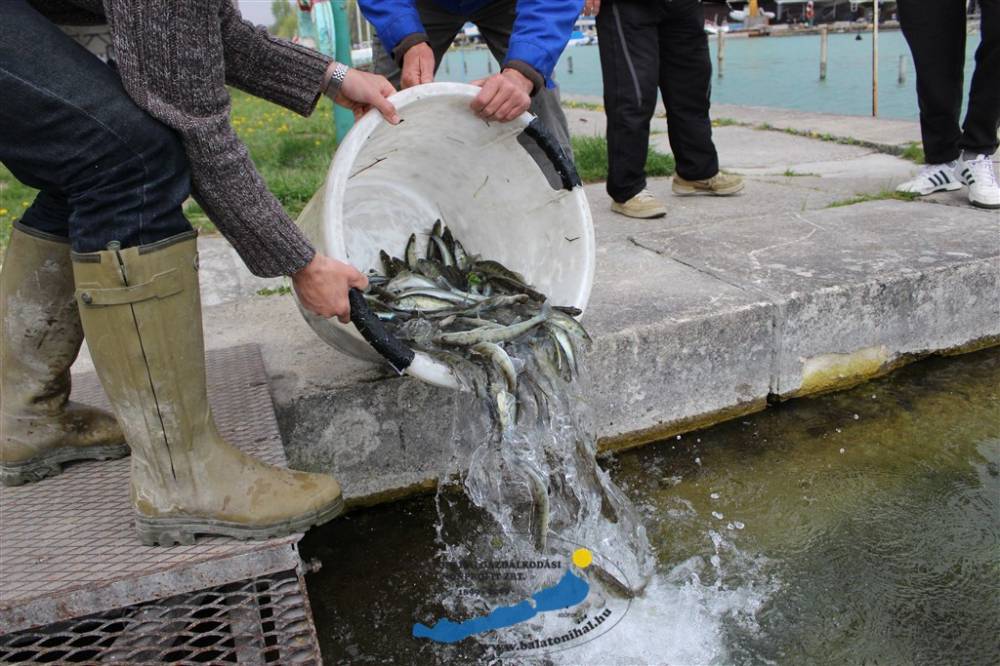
68 550
95 38
263 620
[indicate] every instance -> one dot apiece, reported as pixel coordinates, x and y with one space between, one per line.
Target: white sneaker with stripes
978 174
933 178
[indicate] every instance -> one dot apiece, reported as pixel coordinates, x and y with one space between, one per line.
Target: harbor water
769 71
857 527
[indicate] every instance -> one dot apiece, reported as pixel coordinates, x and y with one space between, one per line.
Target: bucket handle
374 332
564 166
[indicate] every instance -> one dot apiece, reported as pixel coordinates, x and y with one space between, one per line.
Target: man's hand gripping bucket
443 162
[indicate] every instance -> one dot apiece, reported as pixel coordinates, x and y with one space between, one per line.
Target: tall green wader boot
141 311
40 429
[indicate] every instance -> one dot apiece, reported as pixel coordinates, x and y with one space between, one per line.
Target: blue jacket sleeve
541 30
393 20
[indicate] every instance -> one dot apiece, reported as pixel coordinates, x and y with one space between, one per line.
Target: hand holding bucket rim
327 215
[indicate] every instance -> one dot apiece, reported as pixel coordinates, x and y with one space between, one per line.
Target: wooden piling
824 47
902 69
720 51
875 59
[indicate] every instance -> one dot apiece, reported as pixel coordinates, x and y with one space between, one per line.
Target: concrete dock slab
886 134
695 319
707 313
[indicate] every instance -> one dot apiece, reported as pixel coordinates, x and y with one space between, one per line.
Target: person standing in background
936 32
645 45
526 37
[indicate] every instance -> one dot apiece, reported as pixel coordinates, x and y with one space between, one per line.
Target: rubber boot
40 429
141 312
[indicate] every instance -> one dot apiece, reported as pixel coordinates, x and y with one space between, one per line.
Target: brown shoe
721 184
642 206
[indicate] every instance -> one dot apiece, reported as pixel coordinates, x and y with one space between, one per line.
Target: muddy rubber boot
40 429
141 312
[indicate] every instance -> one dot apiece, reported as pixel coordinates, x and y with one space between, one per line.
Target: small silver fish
462 259
540 499
501 360
484 334
569 324
411 252
422 303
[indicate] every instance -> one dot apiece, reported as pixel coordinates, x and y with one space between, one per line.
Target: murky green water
859 527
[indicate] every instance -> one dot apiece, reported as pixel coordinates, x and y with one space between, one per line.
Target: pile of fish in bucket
521 355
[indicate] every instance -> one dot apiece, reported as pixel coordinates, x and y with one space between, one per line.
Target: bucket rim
339 171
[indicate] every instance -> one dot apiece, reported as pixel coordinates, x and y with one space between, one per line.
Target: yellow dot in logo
582 558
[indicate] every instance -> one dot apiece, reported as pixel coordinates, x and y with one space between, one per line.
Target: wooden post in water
489 65
569 64
902 69
357 20
875 59
721 50
824 43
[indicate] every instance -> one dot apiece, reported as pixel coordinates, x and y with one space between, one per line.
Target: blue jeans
105 169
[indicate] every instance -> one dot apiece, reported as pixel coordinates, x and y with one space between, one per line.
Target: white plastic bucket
442 162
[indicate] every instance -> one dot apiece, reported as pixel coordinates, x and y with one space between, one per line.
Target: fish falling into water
503 340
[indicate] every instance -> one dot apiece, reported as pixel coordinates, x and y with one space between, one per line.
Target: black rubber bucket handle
561 162
373 330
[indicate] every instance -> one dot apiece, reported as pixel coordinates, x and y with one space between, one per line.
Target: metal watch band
336 79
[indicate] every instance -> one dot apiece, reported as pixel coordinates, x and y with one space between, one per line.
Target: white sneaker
978 174
932 178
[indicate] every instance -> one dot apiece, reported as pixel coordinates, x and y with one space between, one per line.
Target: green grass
726 122
913 152
591 154
280 290
576 104
292 154
14 199
877 196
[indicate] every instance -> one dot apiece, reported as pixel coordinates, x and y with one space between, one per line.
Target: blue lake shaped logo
558 607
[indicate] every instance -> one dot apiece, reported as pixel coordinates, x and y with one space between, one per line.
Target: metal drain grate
262 620
77 586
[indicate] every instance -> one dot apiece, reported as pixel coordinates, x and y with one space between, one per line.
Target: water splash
536 473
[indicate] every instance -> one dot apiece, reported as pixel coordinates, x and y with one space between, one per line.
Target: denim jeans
105 169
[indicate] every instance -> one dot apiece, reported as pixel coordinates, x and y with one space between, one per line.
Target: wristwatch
336 80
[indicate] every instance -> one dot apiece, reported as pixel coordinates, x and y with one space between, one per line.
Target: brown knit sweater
175 58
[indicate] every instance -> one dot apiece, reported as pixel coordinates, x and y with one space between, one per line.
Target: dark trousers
935 31
105 169
496 24
645 45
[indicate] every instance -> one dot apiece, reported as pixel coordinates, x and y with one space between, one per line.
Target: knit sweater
175 58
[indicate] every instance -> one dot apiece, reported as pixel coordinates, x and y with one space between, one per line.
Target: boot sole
983 205
183 530
51 464
683 191
640 216
947 187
